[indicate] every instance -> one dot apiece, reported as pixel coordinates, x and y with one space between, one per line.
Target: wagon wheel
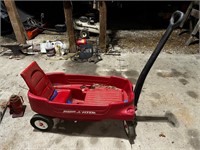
42 123
129 127
84 34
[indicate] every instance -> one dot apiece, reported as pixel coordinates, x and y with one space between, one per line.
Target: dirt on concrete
146 41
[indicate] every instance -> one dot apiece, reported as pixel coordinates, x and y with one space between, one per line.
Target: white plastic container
50 49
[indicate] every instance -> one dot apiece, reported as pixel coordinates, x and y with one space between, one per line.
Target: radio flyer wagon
84 97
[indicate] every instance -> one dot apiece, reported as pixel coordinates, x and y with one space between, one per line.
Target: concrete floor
173 85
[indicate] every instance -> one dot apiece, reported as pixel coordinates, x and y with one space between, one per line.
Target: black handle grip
176 19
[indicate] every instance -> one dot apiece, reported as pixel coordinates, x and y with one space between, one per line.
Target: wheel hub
41 124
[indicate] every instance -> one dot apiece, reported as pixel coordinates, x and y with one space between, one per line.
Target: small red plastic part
81 42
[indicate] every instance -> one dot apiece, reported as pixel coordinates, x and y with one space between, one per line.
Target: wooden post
103 25
69 23
15 21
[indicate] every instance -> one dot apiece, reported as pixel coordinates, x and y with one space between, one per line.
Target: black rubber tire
84 34
46 121
83 19
129 130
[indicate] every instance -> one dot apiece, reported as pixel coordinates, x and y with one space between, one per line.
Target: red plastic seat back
37 81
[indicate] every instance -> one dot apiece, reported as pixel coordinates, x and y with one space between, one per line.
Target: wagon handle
176 19
174 22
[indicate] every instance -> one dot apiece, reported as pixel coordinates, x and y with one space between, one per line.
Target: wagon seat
40 85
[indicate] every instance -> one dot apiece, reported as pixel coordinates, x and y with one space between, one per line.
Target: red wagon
83 97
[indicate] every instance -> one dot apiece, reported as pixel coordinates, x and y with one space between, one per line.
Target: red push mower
88 98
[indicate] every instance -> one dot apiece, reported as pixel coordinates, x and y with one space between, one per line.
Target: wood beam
103 25
69 23
15 21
